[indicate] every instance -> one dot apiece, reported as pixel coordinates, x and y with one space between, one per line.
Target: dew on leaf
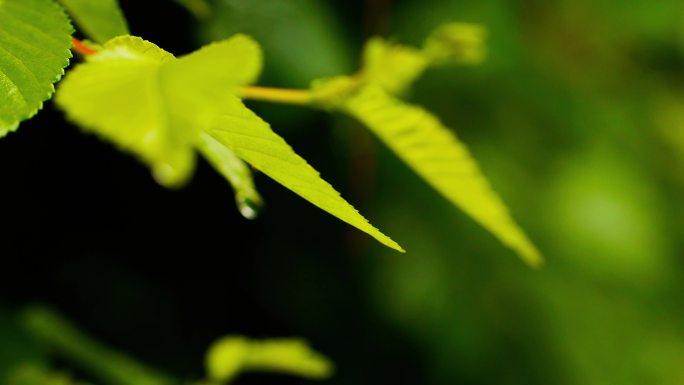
248 207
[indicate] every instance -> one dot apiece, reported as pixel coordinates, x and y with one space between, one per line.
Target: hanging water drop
248 207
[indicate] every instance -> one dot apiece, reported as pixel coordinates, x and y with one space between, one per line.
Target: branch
81 48
277 95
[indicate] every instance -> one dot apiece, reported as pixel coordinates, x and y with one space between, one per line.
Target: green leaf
304 39
237 173
393 66
118 95
101 20
156 106
108 365
417 137
456 42
204 84
396 67
437 155
27 374
213 71
231 355
252 139
35 38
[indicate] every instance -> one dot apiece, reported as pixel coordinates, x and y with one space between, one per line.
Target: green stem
278 95
101 362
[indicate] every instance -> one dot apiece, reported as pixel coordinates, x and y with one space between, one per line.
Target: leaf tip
389 242
529 254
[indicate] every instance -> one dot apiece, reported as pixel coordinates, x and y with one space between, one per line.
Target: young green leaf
437 155
416 136
35 37
231 355
157 107
109 366
117 95
456 42
101 20
394 66
204 85
27 374
252 139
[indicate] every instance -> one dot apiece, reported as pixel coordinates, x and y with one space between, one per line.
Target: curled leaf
231 355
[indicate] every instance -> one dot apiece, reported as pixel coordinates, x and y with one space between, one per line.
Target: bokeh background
576 116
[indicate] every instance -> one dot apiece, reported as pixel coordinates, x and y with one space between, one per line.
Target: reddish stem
82 48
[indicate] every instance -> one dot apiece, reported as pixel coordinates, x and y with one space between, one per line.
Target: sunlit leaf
214 70
231 355
441 159
117 95
35 37
456 42
396 67
100 20
416 136
220 67
252 139
156 106
393 66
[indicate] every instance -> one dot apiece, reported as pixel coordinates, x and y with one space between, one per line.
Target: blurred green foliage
577 117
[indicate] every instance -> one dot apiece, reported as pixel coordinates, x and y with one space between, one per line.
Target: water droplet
248 208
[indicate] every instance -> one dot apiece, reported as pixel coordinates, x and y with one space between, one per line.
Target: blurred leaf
394 67
117 95
503 20
456 42
110 366
415 135
101 20
302 38
231 355
35 37
17 348
436 154
35 375
140 97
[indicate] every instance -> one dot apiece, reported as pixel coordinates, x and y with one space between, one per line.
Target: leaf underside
117 96
35 42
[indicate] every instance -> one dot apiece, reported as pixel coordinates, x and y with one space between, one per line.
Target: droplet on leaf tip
248 207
